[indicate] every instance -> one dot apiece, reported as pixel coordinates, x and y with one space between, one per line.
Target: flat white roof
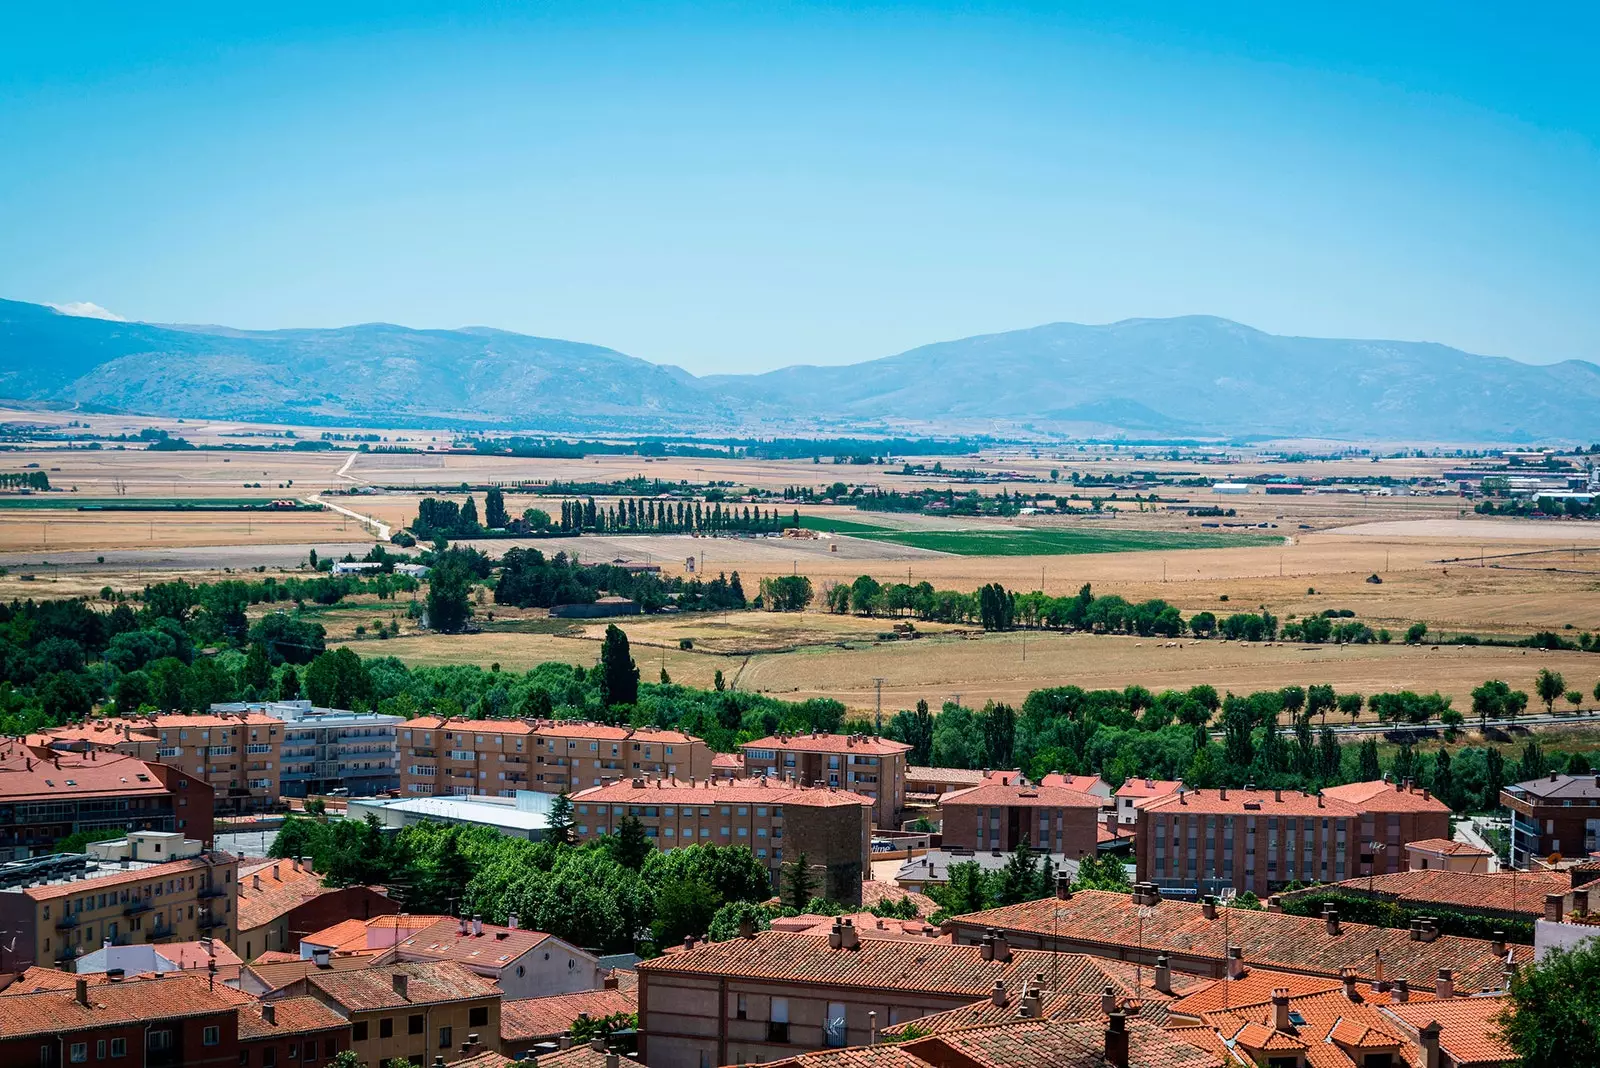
489 811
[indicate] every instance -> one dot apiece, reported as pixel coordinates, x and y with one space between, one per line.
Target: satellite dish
1553 858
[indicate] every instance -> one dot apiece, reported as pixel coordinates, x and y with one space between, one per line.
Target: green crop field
840 526
1024 542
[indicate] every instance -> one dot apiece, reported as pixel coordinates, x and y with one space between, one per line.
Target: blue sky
738 187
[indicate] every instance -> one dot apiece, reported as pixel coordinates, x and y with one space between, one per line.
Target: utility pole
878 717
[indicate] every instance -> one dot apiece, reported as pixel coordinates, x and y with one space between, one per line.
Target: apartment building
1556 814
1135 794
237 754
1393 814
49 793
442 757
1208 841
1002 812
416 1012
775 819
330 749
775 994
290 1031
60 908
864 764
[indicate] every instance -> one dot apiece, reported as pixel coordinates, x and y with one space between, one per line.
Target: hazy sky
736 187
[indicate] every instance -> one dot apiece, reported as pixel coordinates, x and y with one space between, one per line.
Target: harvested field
52 533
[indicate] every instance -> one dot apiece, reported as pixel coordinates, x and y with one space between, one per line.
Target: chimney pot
1552 907
1235 962
1331 916
1163 980
402 983
1401 991
1347 976
1445 985
477 926
1117 1040
998 995
511 921
1208 906
1428 1038
269 1012
1108 1000
82 992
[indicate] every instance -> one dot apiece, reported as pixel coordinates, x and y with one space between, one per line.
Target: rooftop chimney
1347 976
275 874
477 926
849 938
1330 916
1063 886
269 1012
1428 1038
319 956
511 921
82 992
1400 992
1002 948
255 881
1117 1040
1499 943
1445 985
461 925
1108 999
114 975
1208 906
998 995
688 941
1552 907
1235 962
401 984
1280 1010
1163 979
613 1060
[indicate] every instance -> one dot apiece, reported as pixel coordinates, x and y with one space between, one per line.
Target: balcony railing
137 906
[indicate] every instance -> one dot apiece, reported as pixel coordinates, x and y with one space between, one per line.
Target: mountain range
1194 376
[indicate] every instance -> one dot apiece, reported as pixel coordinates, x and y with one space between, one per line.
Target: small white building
1234 488
526 964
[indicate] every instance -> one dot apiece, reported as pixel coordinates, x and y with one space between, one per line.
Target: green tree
449 597
494 510
630 846
258 668
798 882
1350 704
1367 766
1416 633
1102 873
965 890
683 907
1553 1015
725 923
345 1058
998 724
559 830
619 675
1549 685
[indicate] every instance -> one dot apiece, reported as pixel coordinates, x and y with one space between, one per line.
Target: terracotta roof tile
1020 796
292 1016
1469 1028
1141 788
944 776
179 994
1505 891
122 877
866 924
25 775
1380 796
1241 802
875 891
532 1019
829 743
741 791
1327 1028
1272 940
275 975
284 886
1018 1044
1445 847
366 989
495 947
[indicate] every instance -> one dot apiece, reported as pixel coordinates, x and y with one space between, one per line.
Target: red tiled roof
1084 784
34 978
179 994
829 743
1273 940
1380 796
1240 802
470 726
344 936
204 720
732 761
741 791
26 776
368 989
1148 788
277 974
992 793
866 924
122 877
1469 1028
947 776
533 1019
199 954
1505 891
495 947
1018 1044
1328 1029
284 886
293 1016
1445 847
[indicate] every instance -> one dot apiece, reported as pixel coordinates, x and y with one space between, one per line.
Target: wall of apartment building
1538 830
145 906
306 1049
703 1021
284 932
880 777
1249 850
444 1027
836 839
240 758
358 755
187 1038
1394 830
1067 830
194 802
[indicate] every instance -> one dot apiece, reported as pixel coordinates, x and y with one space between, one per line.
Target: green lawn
1024 542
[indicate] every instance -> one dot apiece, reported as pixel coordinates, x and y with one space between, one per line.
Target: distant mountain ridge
1195 375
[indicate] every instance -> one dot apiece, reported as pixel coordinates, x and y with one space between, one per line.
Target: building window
833 1027
444 1038
778 1024
414 1024
158 1041
211 1036
119 1047
358 1031
78 1052
478 1017
386 1027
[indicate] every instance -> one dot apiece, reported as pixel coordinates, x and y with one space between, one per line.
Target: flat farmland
41 533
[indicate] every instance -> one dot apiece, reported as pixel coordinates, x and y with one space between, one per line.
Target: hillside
1146 377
